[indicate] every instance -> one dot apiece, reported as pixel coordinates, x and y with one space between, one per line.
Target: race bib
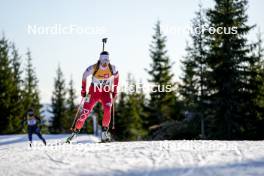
32 121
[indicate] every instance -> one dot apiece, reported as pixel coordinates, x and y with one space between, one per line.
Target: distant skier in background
32 123
103 88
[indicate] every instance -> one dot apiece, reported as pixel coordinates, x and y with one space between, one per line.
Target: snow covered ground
87 157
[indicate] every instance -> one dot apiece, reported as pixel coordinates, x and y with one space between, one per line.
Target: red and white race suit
102 89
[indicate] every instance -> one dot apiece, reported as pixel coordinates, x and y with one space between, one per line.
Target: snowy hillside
86 157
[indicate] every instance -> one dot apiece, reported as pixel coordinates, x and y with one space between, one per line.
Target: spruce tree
162 102
228 63
71 106
260 76
188 87
17 107
135 111
121 117
6 86
193 87
130 113
58 103
254 94
31 97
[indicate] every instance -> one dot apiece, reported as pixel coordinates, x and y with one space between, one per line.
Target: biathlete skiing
32 125
103 89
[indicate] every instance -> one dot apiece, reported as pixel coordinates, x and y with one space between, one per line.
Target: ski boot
74 133
30 144
106 136
44 142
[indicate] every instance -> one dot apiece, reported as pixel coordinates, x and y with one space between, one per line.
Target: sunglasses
30 113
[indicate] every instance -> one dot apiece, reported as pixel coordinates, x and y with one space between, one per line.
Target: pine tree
162 100
6 86
193 88
228 63
30 88
58 103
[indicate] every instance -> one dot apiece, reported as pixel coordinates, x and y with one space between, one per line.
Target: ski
68 140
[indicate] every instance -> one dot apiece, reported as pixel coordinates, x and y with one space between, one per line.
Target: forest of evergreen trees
220 94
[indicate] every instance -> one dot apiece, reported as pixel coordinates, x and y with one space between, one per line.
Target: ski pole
113 109
75 118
